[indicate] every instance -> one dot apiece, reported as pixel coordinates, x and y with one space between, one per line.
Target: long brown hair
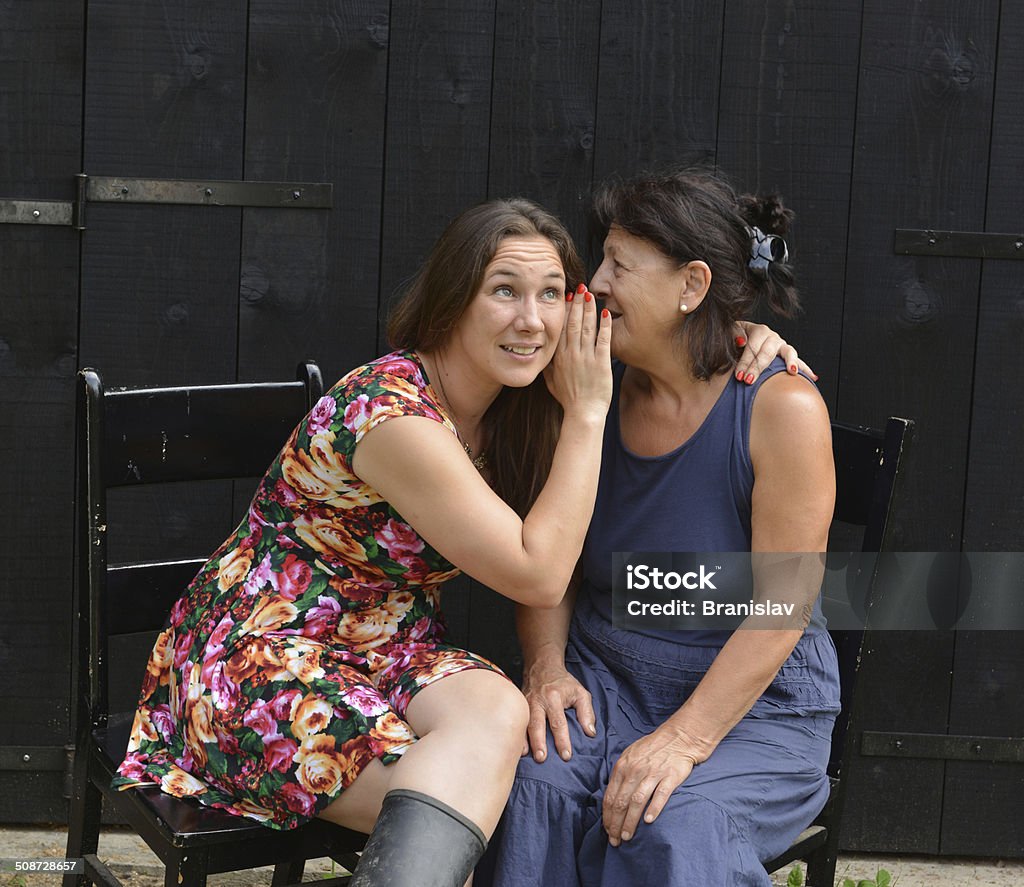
521 426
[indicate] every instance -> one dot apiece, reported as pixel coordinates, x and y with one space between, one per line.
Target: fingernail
568 297
648 818
741 341
749 379
587 297
540 756
792 368
613 841
605 313
590 729
626 836
739 375
566 754
581 289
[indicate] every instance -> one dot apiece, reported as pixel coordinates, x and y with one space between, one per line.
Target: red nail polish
568 297
605 313
749 379
587 297
581 289
792 368
740 341
739 375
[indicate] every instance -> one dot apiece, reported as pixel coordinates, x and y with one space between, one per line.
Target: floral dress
290 660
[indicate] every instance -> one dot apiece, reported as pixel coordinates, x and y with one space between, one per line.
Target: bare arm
547 685
793 499
421 470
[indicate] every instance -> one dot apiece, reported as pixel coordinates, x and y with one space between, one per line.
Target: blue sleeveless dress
766 780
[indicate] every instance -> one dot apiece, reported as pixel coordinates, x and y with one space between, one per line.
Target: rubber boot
418 842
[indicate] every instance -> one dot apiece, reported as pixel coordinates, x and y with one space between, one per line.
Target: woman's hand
761 345
579 376
645 775
549 691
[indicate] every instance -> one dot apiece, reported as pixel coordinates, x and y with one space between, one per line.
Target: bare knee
505 716
482 707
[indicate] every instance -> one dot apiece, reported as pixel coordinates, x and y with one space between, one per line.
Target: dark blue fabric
764 782
760 788
696 498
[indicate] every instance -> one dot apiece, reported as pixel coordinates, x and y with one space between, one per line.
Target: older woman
681 757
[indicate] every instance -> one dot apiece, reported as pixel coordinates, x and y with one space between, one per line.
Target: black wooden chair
147 436
869 466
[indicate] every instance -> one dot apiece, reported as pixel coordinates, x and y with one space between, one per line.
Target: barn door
165 181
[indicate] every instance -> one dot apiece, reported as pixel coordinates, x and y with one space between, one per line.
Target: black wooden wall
867 115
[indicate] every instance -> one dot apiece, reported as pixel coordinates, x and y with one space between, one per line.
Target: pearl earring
683 308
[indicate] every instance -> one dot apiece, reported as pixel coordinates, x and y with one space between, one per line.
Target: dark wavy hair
521 426
695 213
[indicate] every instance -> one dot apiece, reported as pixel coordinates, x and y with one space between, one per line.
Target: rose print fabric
288 663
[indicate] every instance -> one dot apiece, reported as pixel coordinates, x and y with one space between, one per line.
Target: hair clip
765 249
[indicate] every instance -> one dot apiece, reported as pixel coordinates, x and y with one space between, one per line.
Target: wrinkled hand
549 691
644 776
763 344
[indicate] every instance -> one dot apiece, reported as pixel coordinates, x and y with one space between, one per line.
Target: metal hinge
40 759
965 244
190 192
1007 749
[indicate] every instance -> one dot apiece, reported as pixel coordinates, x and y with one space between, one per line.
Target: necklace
479 461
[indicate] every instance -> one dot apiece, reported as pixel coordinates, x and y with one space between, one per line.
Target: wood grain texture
983 804
165 91
658 89
439 112
314 112
543 105
923 111
41 53
785 124
995 482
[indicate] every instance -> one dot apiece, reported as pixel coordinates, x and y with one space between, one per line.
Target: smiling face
643 289
509 331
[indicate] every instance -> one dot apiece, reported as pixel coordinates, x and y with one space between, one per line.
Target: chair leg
187 869
83 818
821 864
289 872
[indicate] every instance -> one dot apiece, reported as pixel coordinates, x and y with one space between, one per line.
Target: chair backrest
158 435
869 468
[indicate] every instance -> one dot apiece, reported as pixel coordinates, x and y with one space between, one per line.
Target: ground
136 866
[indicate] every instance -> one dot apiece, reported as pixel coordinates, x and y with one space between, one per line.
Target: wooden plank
995 483
786 119
438 115
41 51
543 104
315 112
165 91
923 122
165 88
658 90
983 805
